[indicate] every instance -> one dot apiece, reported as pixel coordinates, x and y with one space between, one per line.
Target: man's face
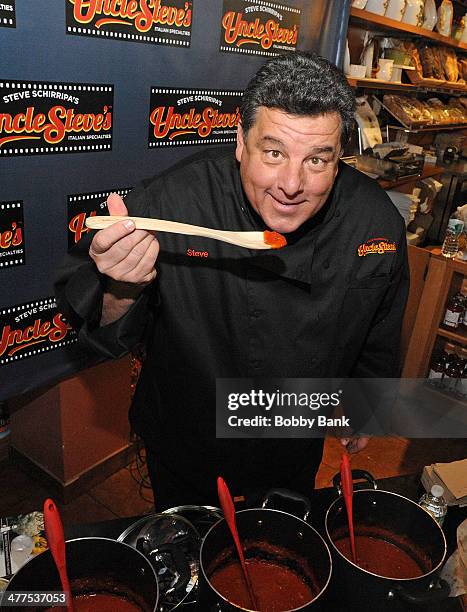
288 164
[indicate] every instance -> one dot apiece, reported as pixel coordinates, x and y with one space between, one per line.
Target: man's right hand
123 253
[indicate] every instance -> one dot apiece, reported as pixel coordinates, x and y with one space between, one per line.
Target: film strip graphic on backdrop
31 329
182 117
8 14
258 27
163 22
84 205
38 117
12 239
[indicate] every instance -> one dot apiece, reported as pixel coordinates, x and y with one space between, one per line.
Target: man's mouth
285 203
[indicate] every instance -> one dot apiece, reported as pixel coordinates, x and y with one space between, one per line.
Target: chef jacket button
326 264
338 213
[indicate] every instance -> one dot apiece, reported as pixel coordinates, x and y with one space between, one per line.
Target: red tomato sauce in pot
99 602
277 588
380 557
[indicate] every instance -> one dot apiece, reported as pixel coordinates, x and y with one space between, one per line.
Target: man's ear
240 142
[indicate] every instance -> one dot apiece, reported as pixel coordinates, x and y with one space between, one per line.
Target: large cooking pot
386 518
95 565
271 535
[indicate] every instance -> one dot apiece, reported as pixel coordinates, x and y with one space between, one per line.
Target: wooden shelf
429 128
390 25
377 84
427 172
447 88
458 336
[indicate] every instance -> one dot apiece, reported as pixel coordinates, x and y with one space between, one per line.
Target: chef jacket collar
295 260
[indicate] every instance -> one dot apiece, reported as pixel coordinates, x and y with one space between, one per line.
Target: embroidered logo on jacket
193 253
376 246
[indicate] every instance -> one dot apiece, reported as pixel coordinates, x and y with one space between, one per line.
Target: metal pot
401 522
94 565
305 547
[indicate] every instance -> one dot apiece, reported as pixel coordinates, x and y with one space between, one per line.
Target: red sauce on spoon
274 239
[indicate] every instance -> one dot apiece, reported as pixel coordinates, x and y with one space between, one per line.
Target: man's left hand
355 444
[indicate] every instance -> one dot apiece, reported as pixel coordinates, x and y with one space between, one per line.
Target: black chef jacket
317 308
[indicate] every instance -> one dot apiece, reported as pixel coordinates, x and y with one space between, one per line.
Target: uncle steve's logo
11 234
84 205
186 117
376 246
40 117
148 21
32 328
256 27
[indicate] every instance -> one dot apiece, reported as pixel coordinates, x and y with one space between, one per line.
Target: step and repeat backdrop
96 95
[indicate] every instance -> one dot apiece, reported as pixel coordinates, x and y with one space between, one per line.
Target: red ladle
56 542
228 509
347 492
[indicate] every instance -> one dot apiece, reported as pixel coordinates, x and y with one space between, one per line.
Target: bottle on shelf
462 390
440 361
434 503
451 239
453 373
455 309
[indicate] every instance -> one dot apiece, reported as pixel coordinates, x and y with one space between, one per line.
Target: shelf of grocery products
380 22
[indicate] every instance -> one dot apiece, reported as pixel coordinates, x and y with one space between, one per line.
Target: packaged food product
449 62
445 15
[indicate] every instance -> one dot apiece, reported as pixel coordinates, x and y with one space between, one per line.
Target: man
313 309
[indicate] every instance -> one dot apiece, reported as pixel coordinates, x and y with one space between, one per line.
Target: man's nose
290 180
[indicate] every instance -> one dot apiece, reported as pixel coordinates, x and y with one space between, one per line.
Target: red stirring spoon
347 491
228 509
56 542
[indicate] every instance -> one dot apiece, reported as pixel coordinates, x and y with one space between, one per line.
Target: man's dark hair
300 84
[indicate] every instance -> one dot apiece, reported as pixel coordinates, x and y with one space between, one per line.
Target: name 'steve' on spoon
248 240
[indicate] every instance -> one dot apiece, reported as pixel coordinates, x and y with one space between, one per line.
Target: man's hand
123 253
127 257
355 444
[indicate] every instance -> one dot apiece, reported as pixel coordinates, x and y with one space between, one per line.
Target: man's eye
273 154
317 161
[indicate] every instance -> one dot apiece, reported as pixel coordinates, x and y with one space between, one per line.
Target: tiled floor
123 494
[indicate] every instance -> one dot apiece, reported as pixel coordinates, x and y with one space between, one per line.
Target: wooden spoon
249 240
228 509
56 543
